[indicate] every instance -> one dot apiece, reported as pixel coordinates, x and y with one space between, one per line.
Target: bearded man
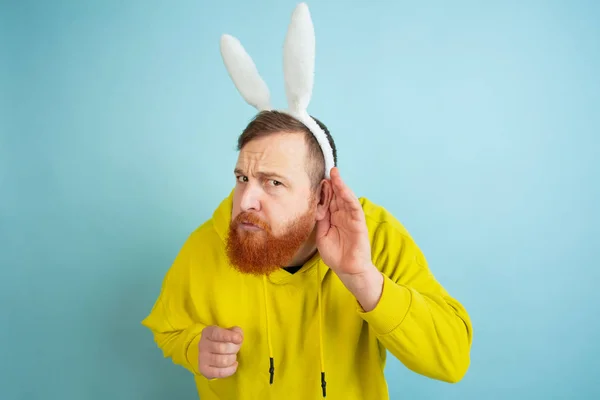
297 289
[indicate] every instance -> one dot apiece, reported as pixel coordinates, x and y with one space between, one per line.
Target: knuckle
205 335
221 347
219 360
203 345
217 334
227 360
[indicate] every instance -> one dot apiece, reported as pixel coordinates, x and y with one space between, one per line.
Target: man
296 288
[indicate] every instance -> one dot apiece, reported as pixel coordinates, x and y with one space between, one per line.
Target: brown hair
270 122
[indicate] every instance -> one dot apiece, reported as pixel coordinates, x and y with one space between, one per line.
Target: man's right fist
217 351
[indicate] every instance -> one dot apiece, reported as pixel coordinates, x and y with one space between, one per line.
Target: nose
250 200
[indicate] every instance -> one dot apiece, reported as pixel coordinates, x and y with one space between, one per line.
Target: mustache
249 218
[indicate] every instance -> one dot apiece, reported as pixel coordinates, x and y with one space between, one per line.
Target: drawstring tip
323 384
271 370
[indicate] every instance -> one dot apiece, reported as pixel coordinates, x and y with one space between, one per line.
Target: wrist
366 286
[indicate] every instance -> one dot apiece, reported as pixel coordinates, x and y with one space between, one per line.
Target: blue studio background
476 123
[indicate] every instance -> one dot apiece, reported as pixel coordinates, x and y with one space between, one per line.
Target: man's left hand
343 243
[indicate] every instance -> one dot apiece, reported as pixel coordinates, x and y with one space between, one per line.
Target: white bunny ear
244 74
299 59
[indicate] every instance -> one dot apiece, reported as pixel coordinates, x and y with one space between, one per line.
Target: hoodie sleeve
176 330
416 319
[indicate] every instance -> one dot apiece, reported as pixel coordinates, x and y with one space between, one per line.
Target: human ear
325 194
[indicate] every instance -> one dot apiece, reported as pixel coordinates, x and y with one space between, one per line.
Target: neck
306 251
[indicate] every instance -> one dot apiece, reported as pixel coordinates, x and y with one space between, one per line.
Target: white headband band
298 69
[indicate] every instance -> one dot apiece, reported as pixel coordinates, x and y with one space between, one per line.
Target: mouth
247 226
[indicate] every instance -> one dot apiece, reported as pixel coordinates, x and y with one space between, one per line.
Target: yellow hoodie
415 319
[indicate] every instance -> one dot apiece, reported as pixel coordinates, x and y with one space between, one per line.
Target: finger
238 330
340 186
218 334
333 204
342 190
220 360
343 219
215 372
222 348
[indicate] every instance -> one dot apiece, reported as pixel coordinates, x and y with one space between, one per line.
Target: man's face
274 208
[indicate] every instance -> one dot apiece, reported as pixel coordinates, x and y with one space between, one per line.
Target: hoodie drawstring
271 362
321 347
323 383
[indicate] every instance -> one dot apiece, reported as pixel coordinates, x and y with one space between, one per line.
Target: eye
273 182
242 178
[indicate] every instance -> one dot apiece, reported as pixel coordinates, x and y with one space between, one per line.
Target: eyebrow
268 174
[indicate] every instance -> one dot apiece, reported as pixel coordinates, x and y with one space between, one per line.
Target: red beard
260 252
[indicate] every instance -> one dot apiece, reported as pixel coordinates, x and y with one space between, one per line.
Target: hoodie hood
221 217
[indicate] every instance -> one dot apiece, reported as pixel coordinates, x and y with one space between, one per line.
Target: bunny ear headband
298 68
